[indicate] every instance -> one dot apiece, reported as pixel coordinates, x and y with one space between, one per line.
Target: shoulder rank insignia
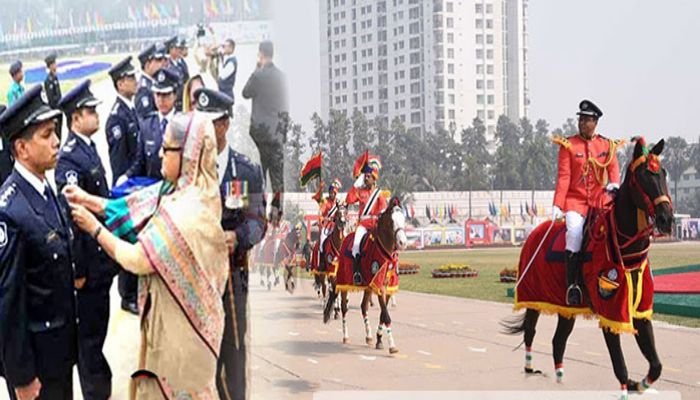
6 195
561 141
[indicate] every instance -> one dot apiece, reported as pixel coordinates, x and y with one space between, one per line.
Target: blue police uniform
144 101
38 316
122 131
79 164
147 161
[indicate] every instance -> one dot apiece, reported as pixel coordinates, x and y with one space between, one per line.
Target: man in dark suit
152 59
6 160
79 164
53 88
147 162
122 131
243 220
38 318
269 121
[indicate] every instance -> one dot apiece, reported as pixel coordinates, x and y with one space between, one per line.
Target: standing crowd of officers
55 279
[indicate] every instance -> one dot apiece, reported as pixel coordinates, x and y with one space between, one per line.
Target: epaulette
68 147
115 108
561 141
7 195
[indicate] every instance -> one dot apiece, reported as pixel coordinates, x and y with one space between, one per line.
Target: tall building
431 63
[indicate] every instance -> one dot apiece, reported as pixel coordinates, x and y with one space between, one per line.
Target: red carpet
684 282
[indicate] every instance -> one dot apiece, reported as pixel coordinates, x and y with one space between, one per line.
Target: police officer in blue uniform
172 46
38 316
182 62
152 59
6 160
243 220
122 131
79 164
147 162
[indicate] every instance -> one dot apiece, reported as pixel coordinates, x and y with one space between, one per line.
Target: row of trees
448 160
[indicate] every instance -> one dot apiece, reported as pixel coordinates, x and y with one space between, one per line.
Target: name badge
51 236
236 194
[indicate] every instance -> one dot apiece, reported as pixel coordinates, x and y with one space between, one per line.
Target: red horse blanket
614 293
329 264
377 267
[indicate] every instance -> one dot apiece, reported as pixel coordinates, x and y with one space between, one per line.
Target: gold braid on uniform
600 169
561 141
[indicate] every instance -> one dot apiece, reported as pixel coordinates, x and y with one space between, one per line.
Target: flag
154 13
312 169
88 19
360 164
522 213
163 11
427 213
212 9
534 208
146 12
29 25
413 212
99 21
176 11
504 210
509 210
229 7
319 193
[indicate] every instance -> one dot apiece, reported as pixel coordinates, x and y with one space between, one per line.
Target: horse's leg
380 332
392 300
612 341
561 335
331 303
366 295
336 306
344 308
385 319
529 325
647 344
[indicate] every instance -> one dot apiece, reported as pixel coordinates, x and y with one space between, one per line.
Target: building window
480 114
478 8
450 38
480 99
489 8
413 28
489 70
479 39
415 88
479 24
479 84
450 83
489 84
479 54
491 114
489 54
451 99
450 22
414 43
489 24
449 7
490 99
489 39
450 53
415 103
450 68
479 69
415 118
415 72
451 114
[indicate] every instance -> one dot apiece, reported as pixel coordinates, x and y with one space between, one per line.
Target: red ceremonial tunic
327 209
585 168
372 205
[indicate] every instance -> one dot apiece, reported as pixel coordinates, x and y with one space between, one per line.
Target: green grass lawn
489 262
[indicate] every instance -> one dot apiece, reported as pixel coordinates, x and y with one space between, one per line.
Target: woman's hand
231 241
85 220
75 195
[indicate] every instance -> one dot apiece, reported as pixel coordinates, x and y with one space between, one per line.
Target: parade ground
446 343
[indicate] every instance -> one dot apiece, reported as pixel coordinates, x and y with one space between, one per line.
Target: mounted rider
371 201
587 167
328 206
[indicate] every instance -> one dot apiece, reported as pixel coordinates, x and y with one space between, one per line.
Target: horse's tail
514 325
330 304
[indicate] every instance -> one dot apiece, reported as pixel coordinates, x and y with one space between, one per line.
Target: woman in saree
170 235
191 86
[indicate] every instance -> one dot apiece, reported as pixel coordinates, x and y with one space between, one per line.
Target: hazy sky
638 60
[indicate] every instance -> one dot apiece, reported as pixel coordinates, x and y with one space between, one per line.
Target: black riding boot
356 274
574 296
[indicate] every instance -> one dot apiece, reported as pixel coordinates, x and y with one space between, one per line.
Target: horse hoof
379 346
336 315
346 340
634 386
530 371
369 340
393 350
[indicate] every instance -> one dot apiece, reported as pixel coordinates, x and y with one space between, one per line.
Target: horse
325 255
379 257
622 287
287 256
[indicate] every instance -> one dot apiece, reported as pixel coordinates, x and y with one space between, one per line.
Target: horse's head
341 217
647 182
394 212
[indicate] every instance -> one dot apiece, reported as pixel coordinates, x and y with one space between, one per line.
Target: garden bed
454 271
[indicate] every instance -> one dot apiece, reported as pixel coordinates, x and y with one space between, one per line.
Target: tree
294 149
362 133
339 161
508 155
476 159
539 156
676 160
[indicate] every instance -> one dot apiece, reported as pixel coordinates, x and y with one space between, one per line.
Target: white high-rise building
431 63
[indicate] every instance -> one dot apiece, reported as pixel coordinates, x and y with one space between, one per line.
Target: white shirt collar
126 101
33 180
84 138
145 75
222 163
168 116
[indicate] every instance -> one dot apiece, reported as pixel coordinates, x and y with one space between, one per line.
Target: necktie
51 198
163 124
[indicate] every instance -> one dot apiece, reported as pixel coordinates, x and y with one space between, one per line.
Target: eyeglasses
167 149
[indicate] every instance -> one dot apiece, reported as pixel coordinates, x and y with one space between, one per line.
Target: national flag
176 11
504 210
132 14
154 13
360 164
99 21
312 169
212 9
88 19
29 25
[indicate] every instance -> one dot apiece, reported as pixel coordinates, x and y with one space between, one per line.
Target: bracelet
97 232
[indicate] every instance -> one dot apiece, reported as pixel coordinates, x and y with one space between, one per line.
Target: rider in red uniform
328 206
372 204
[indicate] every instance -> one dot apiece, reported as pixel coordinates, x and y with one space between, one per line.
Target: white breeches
360 232
574 231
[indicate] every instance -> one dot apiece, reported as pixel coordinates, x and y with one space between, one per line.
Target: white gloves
612 187
121 180
557 213
360 181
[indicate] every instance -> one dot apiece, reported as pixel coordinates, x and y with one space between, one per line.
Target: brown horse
641 205
328 254
379 257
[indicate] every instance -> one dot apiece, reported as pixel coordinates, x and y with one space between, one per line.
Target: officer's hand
29 392
79 283
74 194
612 188
557 213
231 240
83 218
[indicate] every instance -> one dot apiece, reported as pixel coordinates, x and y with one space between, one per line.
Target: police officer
152 59
147 162
53 89
122 131
38 317
79 164
243 219
172 46
6 160
182 44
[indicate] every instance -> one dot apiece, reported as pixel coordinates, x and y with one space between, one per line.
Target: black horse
643 194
